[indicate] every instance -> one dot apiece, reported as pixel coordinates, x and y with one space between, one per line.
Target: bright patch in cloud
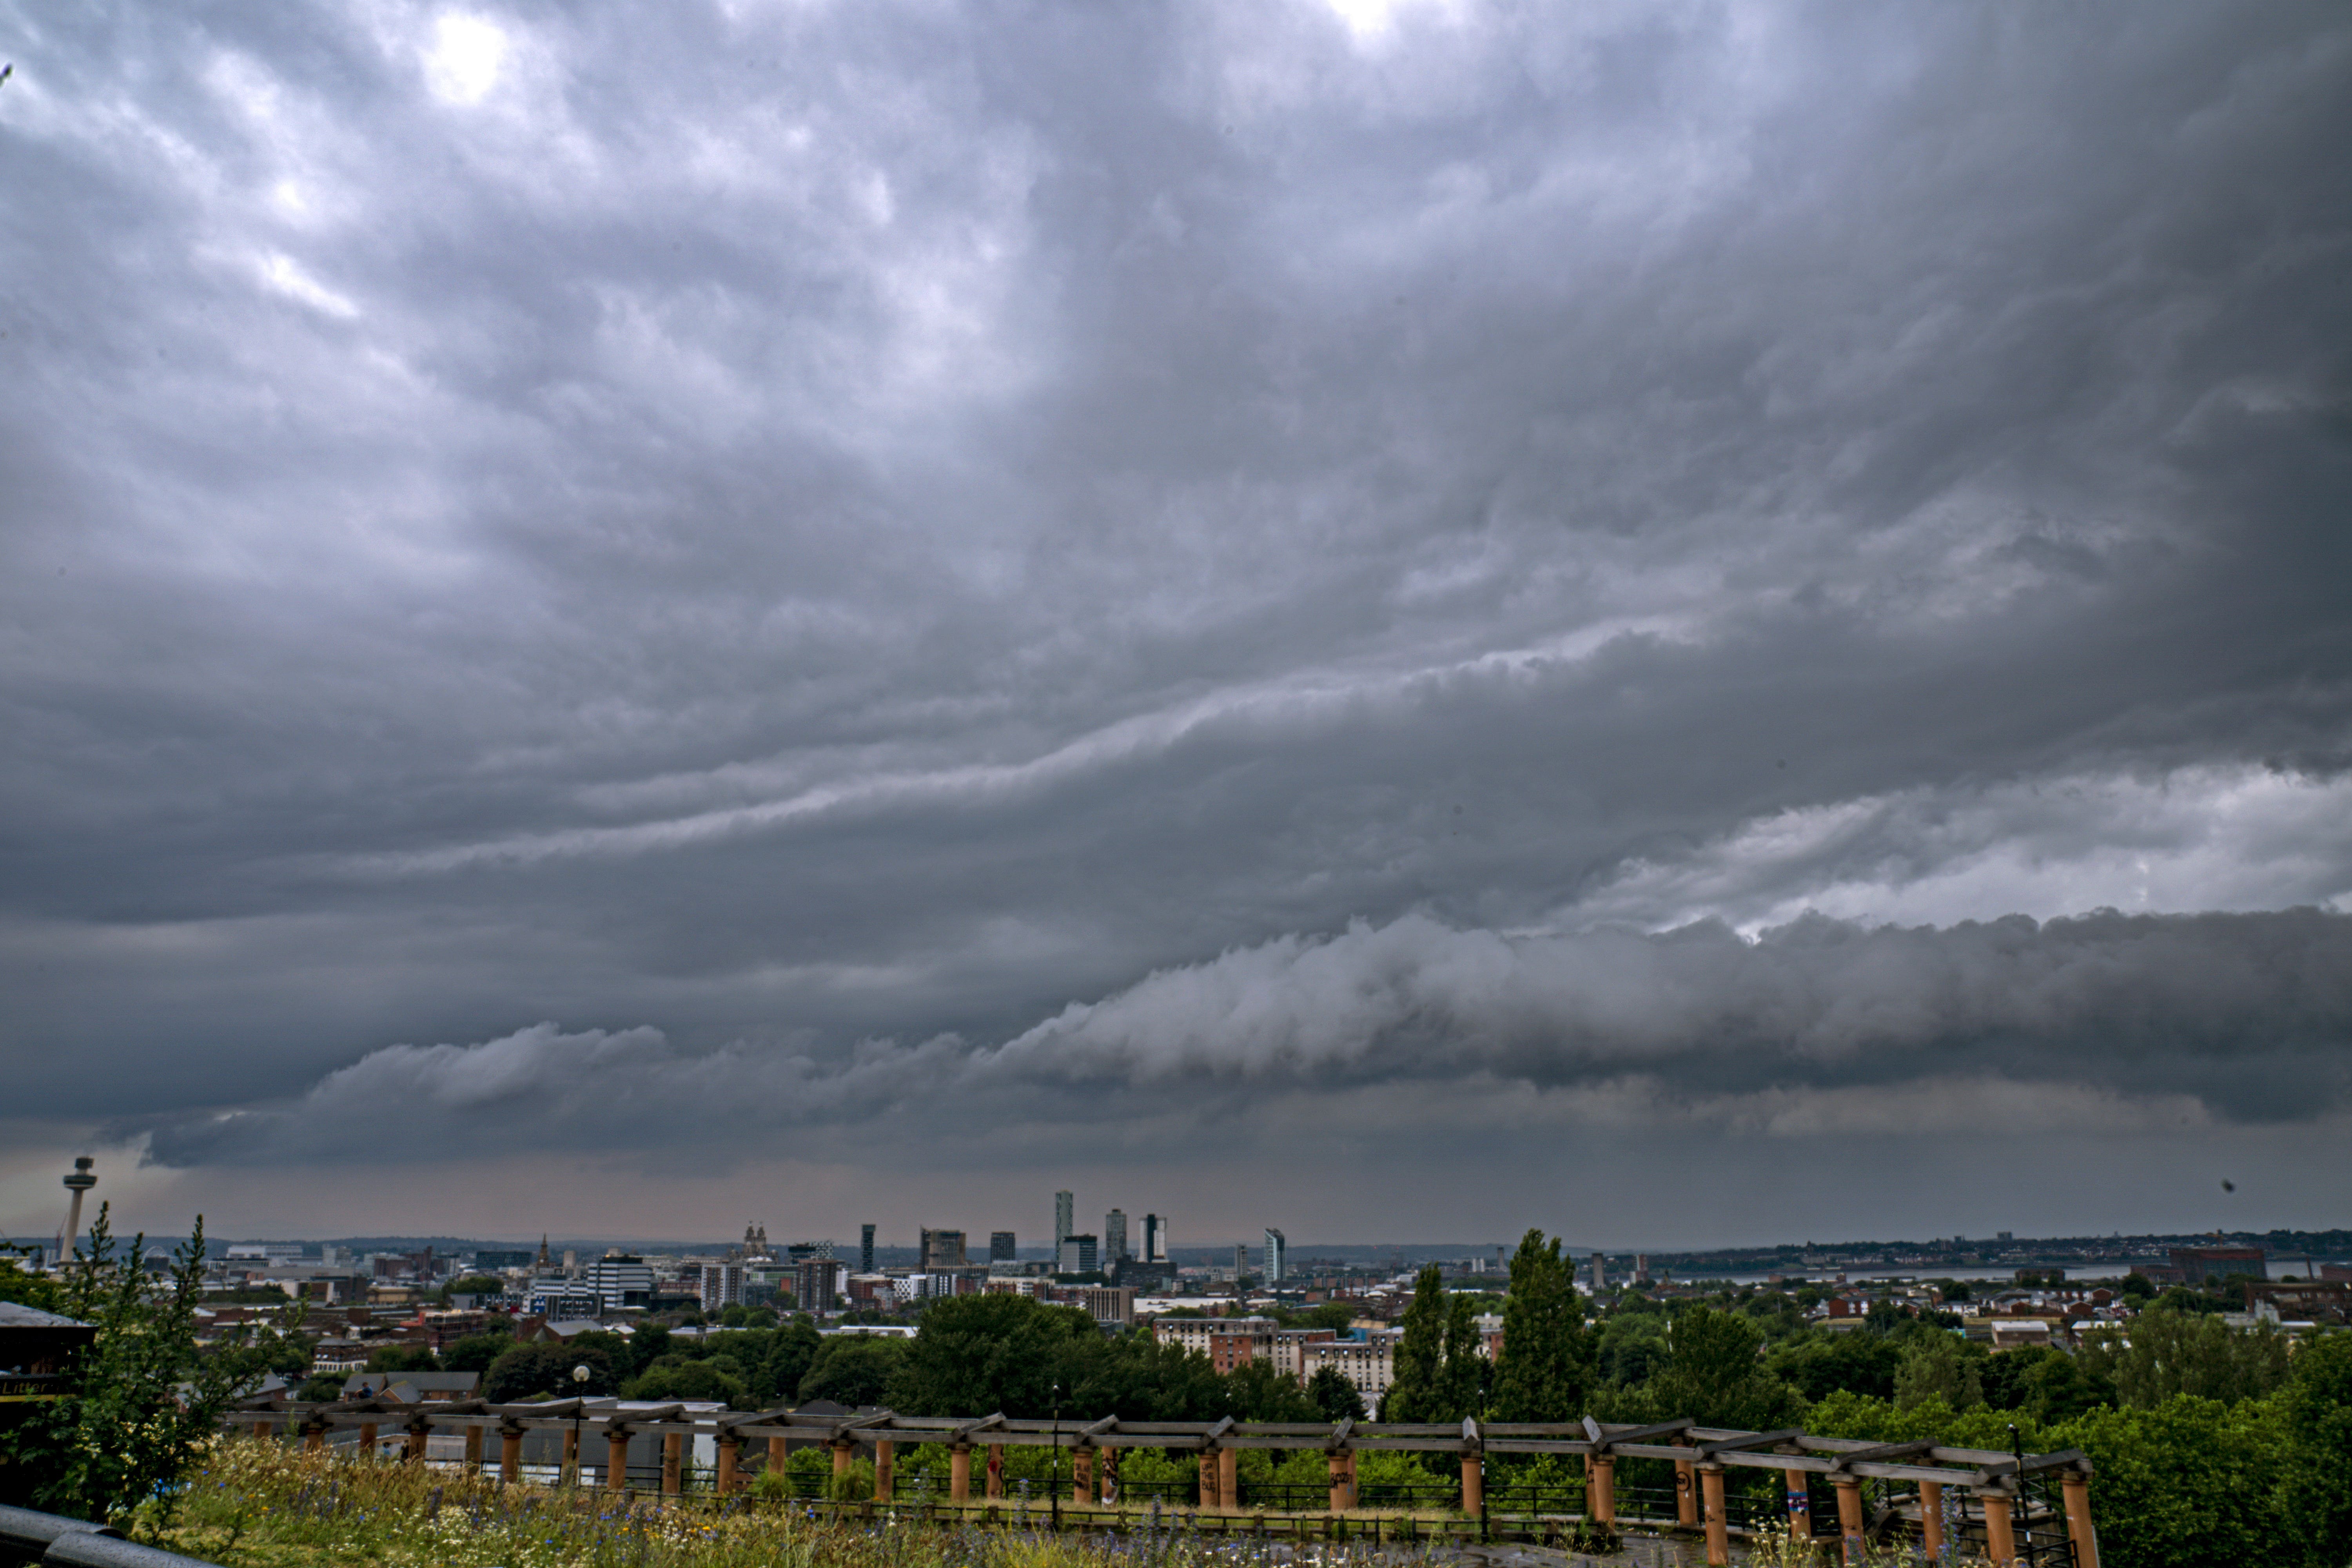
467 55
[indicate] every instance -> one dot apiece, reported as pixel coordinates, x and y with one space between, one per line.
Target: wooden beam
1748 1440
1608 1438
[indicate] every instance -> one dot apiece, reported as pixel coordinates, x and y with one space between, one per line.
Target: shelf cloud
1315 583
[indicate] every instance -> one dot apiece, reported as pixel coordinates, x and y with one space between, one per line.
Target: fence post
885 1470
2000 1531
617 1457
1601 1495
1800 1505
473 1448
673 1463
1849 1527
730 1460
1718 1528
2080 1531
960 1474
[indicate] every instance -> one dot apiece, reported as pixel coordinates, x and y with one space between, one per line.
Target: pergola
1989 1483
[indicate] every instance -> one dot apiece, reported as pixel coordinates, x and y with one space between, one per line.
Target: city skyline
1369 616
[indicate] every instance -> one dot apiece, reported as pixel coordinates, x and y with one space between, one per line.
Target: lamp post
1054 1481
578 1391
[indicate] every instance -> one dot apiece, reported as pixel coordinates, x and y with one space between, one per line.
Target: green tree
677 1377
146 1399
1818 1365
1466 1377
2317 1408
1260 1393
977 1355
1936 1369
2165 1353
1547 1368
854 1369
1416 1385
26 1289
792 1350
475 1353
403 1357
530 1370
473 1285
1335 1394
1712 1373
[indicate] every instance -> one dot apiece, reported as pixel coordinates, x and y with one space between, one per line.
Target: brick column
1850 1525
885 1470
1600 1491
511 1454
1208 1481
1339 1468
673 1463
2001 1529
1474 1483
777 1456
731 1459
842 1449
617 1457
1800 1505
473 1449
1082 1476
960 1474
1686 1494
2079 1528
1229 1478
995 1472
1931 1517
1718 1528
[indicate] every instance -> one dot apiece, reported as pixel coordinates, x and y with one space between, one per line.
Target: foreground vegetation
263 1505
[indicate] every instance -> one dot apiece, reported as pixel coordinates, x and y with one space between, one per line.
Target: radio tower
77 1182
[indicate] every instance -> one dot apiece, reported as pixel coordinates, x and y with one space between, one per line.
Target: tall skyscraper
1066 1216
1155 1238
1114 1237
1075 1255
1277 1256
1000 1248
1241 1258
942 1249
865 1250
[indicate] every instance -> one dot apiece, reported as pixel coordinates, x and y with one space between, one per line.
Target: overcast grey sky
1680 622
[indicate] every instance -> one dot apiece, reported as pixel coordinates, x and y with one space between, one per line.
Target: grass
268 1505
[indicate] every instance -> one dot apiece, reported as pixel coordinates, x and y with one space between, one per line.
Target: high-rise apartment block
1241 1258
1155 1238
1277 1254
721 1286
942 1249
865 1250
622 1280
1076 1255
1066 1216
1114 1237
1000 1247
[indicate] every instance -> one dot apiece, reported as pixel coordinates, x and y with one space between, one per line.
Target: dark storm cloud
780 527
2224 1017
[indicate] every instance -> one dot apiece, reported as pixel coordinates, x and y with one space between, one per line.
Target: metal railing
54 1540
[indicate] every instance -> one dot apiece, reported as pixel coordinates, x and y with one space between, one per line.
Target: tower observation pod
78 1180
